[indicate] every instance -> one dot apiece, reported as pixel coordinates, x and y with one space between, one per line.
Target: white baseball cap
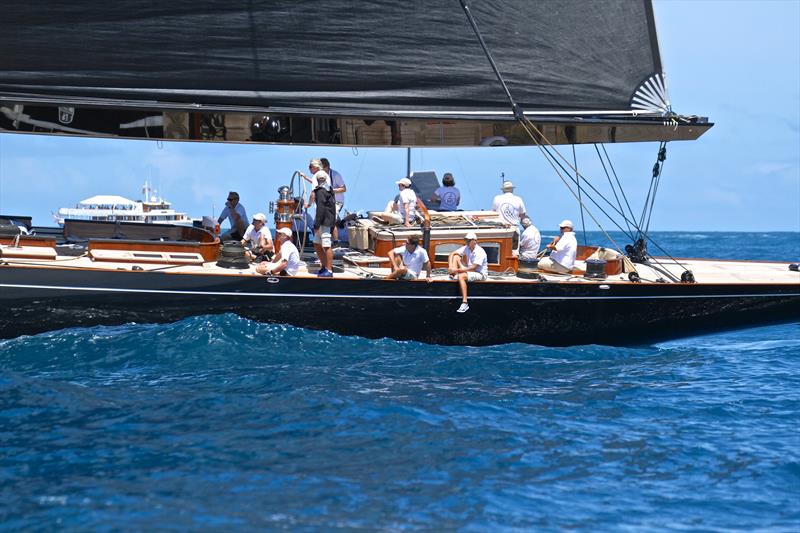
404 181
286 231
260 216
566 223
470 236
507 185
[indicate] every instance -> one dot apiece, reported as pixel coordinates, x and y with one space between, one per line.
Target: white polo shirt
415 260
253 235
529 243
407 195
566 250
476 257
227 213
509 206
292 256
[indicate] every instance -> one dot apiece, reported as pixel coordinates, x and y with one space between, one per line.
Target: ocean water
217 423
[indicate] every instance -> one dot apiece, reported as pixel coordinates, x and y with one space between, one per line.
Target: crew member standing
339 188
510 206
323 221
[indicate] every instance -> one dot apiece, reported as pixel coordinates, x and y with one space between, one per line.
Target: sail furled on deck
418 57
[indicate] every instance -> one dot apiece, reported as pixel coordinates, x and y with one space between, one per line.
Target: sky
736 62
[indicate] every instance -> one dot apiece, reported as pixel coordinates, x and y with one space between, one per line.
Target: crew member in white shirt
257 237
315 167
510 206
236 215
467 264
529 241
408 260
404 209
564 249
448 194
288 260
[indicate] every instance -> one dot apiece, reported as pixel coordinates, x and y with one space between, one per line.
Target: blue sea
217 423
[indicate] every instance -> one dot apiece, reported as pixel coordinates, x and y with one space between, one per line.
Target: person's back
449 198
509 206
326 207
529 243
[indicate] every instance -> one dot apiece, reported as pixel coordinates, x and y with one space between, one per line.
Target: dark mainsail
374 59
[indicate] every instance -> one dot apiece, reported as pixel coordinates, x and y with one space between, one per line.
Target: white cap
507 185
260 216
285 231
566 223
404 181
321 175
471 236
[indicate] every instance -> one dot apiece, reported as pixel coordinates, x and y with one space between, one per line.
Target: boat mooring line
391 296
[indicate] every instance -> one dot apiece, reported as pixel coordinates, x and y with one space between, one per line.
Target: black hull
36 300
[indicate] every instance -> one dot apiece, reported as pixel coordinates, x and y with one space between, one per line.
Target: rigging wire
537 137
611 184
580 202
619 185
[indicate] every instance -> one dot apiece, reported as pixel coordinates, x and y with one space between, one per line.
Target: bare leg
462 284
329 259
320 254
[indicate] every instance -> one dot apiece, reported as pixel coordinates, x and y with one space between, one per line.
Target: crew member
467 264
236 215
564 249
529 241
408 260
510 206
324 219
257 237
288 260
448 194
339 188
404 209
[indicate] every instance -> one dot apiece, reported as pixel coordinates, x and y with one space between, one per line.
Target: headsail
564 61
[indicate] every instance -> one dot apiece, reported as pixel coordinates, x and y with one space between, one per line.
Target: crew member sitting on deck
404 209
447 195
236 215
468 263
529 241
258 239
564 249
288 260
408 260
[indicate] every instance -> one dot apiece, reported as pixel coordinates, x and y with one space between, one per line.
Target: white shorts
549 265
475 276
409 276
322 235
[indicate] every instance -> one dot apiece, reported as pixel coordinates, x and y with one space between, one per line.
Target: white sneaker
464 308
